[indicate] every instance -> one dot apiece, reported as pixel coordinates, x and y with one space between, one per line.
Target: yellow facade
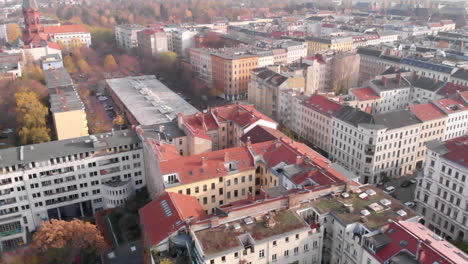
317 46
70 124
214 192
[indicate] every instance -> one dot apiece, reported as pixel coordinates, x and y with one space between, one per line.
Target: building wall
316 128
442 195
70 124
430 130
231 76
219 190
151 44
71 39
35 193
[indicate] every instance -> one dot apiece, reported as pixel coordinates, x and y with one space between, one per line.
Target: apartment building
66 179
231 73
456 109
221 127
200 61
180 40
295 51
358 224
152 42
266 85
441 192
68 111
316 121
375 146
432 127
318 44
126 35
289 108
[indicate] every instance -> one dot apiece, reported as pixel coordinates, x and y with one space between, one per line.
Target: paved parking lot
404 194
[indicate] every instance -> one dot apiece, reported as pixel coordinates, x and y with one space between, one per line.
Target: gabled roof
353 116
167 213
260 134
209 165
454 149
364 94
322 104
427 112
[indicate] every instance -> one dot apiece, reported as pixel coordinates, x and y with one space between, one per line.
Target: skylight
167 209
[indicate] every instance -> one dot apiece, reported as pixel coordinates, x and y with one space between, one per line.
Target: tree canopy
31 117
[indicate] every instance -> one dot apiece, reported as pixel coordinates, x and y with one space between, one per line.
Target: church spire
30 4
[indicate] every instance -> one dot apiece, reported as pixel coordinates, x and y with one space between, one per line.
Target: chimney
226 156
203 161
398 78
298 160
384 81
249 143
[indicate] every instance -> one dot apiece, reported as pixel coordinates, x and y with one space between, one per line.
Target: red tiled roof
313 165
208 165
164 151
260 134
242 115
166 214
450 88
397 235
364 94
434 248
435 24
452 105
53 45
65 29
457 150
427 112
322 104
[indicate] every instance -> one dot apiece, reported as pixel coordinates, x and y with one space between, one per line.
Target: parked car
405 184
389 189
102 98
413 181
410 204
7 130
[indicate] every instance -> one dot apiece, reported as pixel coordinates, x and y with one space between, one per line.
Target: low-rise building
68 111
144 100
441 192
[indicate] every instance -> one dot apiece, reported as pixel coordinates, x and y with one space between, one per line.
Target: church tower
33 30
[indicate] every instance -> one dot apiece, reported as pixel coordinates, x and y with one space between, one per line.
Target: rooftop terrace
375 219
225 238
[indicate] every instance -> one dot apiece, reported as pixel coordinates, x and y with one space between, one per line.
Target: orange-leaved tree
110 64
61 241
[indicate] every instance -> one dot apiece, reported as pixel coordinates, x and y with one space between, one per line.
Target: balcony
62 200
109 171
11 232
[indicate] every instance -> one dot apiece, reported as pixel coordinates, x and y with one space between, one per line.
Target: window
286 253
297 236
261 253
286 240
236 255
296 250
274 243
273 257
306 247
223 258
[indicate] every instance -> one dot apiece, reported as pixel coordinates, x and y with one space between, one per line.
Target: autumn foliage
61 241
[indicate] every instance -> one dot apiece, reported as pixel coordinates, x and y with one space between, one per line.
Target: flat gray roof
61 148
63 96
148 100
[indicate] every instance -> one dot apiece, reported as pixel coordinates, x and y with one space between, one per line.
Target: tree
119 120
13 32
166 261
61 241
84 67
62 45
110 64
69 64
32 117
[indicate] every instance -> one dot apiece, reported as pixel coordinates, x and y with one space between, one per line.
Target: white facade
442 192
200 60
66 179
295 51
126 35
180 40
70 38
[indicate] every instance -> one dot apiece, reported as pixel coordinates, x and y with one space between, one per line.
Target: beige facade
265 87
317 44
151 42
220 190
70 124
231 74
